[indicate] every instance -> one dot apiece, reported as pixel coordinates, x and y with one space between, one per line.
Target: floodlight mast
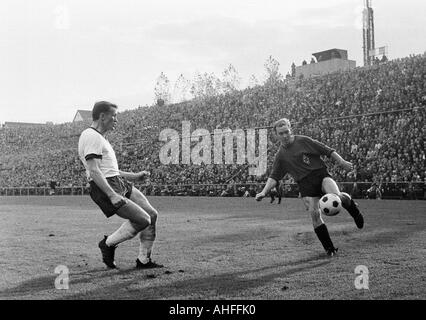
368 33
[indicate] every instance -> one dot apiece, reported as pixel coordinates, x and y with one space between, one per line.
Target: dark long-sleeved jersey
299 158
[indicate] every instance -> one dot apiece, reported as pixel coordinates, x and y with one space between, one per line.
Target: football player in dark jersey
300 156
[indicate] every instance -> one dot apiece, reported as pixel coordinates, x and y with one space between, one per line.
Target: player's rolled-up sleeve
92 148
93 156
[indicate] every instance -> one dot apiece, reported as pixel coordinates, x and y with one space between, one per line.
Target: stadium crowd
374 117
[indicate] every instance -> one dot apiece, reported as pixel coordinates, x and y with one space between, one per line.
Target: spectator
386 147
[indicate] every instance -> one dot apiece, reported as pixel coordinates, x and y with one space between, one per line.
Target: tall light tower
368 32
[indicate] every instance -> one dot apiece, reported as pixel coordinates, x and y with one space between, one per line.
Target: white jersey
92 144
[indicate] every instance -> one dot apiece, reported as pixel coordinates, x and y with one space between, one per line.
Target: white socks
146 238
125 232
145 249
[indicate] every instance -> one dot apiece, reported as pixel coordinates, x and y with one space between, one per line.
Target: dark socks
346 200
349 205
324 237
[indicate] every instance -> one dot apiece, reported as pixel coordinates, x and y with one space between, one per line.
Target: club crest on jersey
306 159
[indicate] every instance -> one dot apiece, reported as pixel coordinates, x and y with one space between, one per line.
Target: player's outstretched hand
260 196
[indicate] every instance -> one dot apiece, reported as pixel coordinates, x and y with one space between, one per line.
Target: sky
60 56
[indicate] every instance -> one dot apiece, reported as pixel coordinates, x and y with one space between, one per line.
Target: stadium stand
373 116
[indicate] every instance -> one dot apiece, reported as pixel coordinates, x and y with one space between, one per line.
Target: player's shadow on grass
46 283
226 284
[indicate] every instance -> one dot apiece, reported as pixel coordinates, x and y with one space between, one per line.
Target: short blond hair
280 123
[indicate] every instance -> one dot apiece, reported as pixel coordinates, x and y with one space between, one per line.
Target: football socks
146 238
125 232
324 237
346 200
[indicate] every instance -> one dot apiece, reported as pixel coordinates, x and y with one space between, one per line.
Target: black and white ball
330 204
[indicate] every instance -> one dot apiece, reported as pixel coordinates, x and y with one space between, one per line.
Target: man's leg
136 220
330 186
319 226
146 236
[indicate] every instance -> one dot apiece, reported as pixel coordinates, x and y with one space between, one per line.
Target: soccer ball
330 204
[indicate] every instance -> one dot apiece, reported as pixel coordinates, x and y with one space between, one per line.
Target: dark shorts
120 185
311 185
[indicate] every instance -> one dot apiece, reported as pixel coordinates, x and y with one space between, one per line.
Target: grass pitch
213 248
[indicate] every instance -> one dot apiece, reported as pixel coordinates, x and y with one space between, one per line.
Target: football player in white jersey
111 190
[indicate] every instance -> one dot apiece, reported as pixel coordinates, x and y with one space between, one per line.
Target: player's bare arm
135 175
348 166
101 182
269 185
